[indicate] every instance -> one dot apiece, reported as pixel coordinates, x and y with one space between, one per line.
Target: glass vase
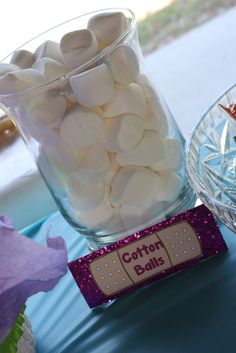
103 138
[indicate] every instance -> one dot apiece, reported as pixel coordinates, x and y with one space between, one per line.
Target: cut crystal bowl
211 159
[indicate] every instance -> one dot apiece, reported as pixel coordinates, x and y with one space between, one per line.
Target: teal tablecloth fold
191 312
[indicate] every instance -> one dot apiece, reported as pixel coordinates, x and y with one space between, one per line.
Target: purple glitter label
147 256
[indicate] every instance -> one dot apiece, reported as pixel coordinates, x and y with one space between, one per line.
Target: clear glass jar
103 138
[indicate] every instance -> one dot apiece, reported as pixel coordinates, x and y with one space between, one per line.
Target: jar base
185 201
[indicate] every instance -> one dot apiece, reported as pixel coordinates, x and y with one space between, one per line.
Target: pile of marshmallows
104 129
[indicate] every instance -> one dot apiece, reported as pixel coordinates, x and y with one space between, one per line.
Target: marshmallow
56 152
93 87
127 99
50 68
23 58
94 165
151 149
119 184
78 47
5 68
112 171
133 216
114 165
123 133
134 186
108 27
81 127
143 81
115 224
50 50
140 189
97 110
20 80
170 186
124 64
70 97
109 177
155 118
29 129
97 218
174 158
84 197
42 133
46 109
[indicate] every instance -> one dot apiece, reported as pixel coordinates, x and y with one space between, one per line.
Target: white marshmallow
20 80
47 109
23 58
112 171
133 216
141 189
50 50
124 64
97 218
123 133
28 128
84 197
81 127
127 99
135 186
155 119
5 68
115 224
94 165
170 186
93 87
69 94
115 166
174 157
108 27
56 152
78 47
50 68
109 177
143 81
97 110
119 183
151 149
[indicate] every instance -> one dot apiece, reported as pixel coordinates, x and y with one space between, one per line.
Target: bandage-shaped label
150 254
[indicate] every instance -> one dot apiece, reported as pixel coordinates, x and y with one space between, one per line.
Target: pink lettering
139 270
126 258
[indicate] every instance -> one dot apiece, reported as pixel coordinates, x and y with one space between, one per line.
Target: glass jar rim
99 56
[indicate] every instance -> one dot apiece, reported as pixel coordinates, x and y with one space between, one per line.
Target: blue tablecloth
191 312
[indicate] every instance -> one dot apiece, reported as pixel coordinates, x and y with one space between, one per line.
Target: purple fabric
26 268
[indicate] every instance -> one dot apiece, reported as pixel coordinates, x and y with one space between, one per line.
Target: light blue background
191 312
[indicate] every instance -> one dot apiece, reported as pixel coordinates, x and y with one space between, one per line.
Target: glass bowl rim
191 176
99 56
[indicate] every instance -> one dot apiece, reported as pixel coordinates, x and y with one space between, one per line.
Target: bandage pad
148 255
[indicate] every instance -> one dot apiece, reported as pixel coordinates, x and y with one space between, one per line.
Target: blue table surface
192 311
